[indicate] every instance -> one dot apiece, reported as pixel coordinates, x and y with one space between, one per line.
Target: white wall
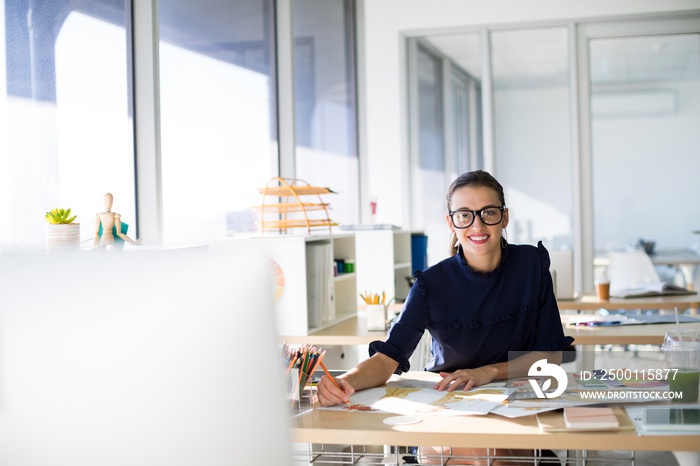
384 22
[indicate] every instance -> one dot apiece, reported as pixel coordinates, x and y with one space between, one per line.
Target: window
218 114
65 116
325 102
66 113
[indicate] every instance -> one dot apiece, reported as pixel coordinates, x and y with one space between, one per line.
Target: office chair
629 270
422 354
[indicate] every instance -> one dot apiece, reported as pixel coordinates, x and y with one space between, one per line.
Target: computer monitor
139 358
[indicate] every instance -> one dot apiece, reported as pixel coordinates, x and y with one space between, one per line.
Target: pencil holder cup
301 394
376 317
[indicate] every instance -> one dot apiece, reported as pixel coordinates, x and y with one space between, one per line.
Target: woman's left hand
468 378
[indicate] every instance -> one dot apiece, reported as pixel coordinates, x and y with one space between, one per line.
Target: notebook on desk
633 275
648 290
553 421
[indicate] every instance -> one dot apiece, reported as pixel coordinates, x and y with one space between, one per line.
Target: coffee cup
682 352
603 291
602 286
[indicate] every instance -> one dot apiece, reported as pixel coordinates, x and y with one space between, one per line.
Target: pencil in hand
335 382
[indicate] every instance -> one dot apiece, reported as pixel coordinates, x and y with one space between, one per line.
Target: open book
651 289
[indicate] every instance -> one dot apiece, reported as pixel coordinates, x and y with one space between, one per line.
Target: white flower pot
63 236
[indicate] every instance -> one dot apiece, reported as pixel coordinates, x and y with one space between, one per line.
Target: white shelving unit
309 298
383 262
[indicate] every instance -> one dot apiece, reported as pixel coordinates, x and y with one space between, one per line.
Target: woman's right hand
330 395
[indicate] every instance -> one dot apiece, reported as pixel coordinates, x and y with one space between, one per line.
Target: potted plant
61 232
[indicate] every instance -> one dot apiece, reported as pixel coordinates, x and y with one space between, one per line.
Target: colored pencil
306 359
330 376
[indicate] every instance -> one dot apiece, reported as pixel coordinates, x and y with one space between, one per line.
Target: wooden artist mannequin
109 219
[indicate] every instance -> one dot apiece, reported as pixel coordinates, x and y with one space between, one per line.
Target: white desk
642 334
668 303
354 332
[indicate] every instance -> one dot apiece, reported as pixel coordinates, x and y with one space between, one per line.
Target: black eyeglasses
490 215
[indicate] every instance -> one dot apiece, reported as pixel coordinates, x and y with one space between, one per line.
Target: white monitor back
148 358
562 269
630 269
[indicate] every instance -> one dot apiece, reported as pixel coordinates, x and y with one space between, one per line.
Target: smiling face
481 243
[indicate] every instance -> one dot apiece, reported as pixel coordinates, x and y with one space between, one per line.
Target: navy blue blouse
476 318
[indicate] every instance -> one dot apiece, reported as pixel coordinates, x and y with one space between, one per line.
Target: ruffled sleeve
407 330
385 348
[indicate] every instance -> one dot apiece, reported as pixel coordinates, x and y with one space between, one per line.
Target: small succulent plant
57 216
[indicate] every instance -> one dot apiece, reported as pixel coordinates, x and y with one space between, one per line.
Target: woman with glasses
483 304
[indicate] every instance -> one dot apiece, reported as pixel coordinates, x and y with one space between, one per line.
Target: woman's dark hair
473 179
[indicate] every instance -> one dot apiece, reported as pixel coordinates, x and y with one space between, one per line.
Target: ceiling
538 57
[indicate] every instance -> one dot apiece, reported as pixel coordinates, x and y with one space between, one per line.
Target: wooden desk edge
591 303
376 433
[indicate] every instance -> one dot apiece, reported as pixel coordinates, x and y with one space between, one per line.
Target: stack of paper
554 422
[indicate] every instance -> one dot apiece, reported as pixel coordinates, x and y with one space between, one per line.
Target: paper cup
603 291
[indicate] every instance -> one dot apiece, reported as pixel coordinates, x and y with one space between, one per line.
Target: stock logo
542 368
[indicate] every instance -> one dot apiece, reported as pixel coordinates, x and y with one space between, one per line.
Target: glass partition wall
589 127
528 126
639 142
446 121
645 110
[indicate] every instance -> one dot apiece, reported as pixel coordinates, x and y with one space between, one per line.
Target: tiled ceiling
649 58
526 60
